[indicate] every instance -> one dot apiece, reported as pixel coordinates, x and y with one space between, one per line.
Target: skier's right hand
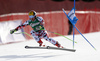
12 31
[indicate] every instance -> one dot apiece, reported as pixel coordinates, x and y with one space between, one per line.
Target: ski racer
38 31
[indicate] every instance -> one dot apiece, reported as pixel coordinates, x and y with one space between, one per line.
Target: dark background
14 6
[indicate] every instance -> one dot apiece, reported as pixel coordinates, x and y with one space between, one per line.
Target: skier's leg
51 40
36 37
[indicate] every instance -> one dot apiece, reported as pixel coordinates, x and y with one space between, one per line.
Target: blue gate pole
85 38
73 35
73 28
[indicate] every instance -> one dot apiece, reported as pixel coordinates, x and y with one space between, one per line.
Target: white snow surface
84 51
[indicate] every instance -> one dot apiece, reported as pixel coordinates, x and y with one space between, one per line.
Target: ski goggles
31 16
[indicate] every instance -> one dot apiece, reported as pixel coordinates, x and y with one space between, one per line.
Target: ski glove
12 31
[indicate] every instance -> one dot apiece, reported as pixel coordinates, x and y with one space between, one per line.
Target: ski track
84 52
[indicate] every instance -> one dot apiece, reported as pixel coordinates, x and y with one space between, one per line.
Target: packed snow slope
84 52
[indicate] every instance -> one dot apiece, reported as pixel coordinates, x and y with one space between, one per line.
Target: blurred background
15 12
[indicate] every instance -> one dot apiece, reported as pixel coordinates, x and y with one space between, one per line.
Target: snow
84 51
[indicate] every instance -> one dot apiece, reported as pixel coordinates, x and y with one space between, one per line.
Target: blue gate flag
72 17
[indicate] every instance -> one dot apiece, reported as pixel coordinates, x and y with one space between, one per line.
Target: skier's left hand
12 31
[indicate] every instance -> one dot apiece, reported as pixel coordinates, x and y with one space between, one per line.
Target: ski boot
41 43
58 45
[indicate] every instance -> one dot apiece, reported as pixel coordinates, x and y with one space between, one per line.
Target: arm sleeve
21 26
41 20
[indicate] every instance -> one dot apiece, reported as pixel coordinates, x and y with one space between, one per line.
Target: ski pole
59 35
47 31
24 33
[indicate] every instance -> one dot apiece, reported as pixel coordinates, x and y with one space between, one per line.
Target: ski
49 47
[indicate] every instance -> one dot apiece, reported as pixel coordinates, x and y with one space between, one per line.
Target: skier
38 31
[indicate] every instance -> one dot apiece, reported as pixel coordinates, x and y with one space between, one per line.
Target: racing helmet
32 14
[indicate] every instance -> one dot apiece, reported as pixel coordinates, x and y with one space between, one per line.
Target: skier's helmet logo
32 14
